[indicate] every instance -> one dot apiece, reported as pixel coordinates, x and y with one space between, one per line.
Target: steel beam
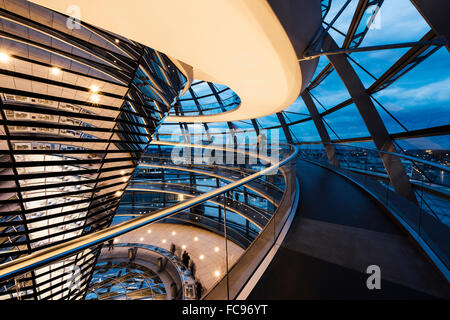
373 121
321 129
285 127
435 12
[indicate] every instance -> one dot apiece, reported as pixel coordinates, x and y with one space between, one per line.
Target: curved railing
270 191
158 175
46 256
428 220
234 283
186 279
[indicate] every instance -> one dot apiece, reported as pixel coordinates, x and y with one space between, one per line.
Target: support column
373 121
435 12
285 127
320 126
255 126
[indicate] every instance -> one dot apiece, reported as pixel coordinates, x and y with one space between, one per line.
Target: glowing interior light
124 179
55 71
122 172
202 257
196 239
4 57
118 193
94 89
164 241
183 246
117 41
95 98
141 239
149 231
217 273
216 249
174 233
116 240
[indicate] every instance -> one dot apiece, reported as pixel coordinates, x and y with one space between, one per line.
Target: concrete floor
205 248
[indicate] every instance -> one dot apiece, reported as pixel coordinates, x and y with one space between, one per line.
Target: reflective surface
78 106
124 281
429 219
79 109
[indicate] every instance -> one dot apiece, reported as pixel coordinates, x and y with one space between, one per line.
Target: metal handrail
207 173
51 254
411 158
259 225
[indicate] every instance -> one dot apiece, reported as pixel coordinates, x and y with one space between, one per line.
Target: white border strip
251 283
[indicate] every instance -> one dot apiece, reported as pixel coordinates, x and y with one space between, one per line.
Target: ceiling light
195 239
118 193
55 71
141 239
124 179
116 240
4 57
202 257
95 98
122 172
216 249
149 231
174 233
183 246
94 89
217 273
117 41
164 241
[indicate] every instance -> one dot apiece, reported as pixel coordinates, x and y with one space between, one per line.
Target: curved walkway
337 233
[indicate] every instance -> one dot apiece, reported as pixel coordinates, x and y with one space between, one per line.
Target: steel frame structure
420 51
143 85
77 111
417 54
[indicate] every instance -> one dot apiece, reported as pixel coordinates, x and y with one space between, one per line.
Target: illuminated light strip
66 56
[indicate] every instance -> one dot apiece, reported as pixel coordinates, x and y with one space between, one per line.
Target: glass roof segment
52 82
116 280
331 94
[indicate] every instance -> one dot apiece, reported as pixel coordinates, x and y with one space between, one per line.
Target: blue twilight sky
419 99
